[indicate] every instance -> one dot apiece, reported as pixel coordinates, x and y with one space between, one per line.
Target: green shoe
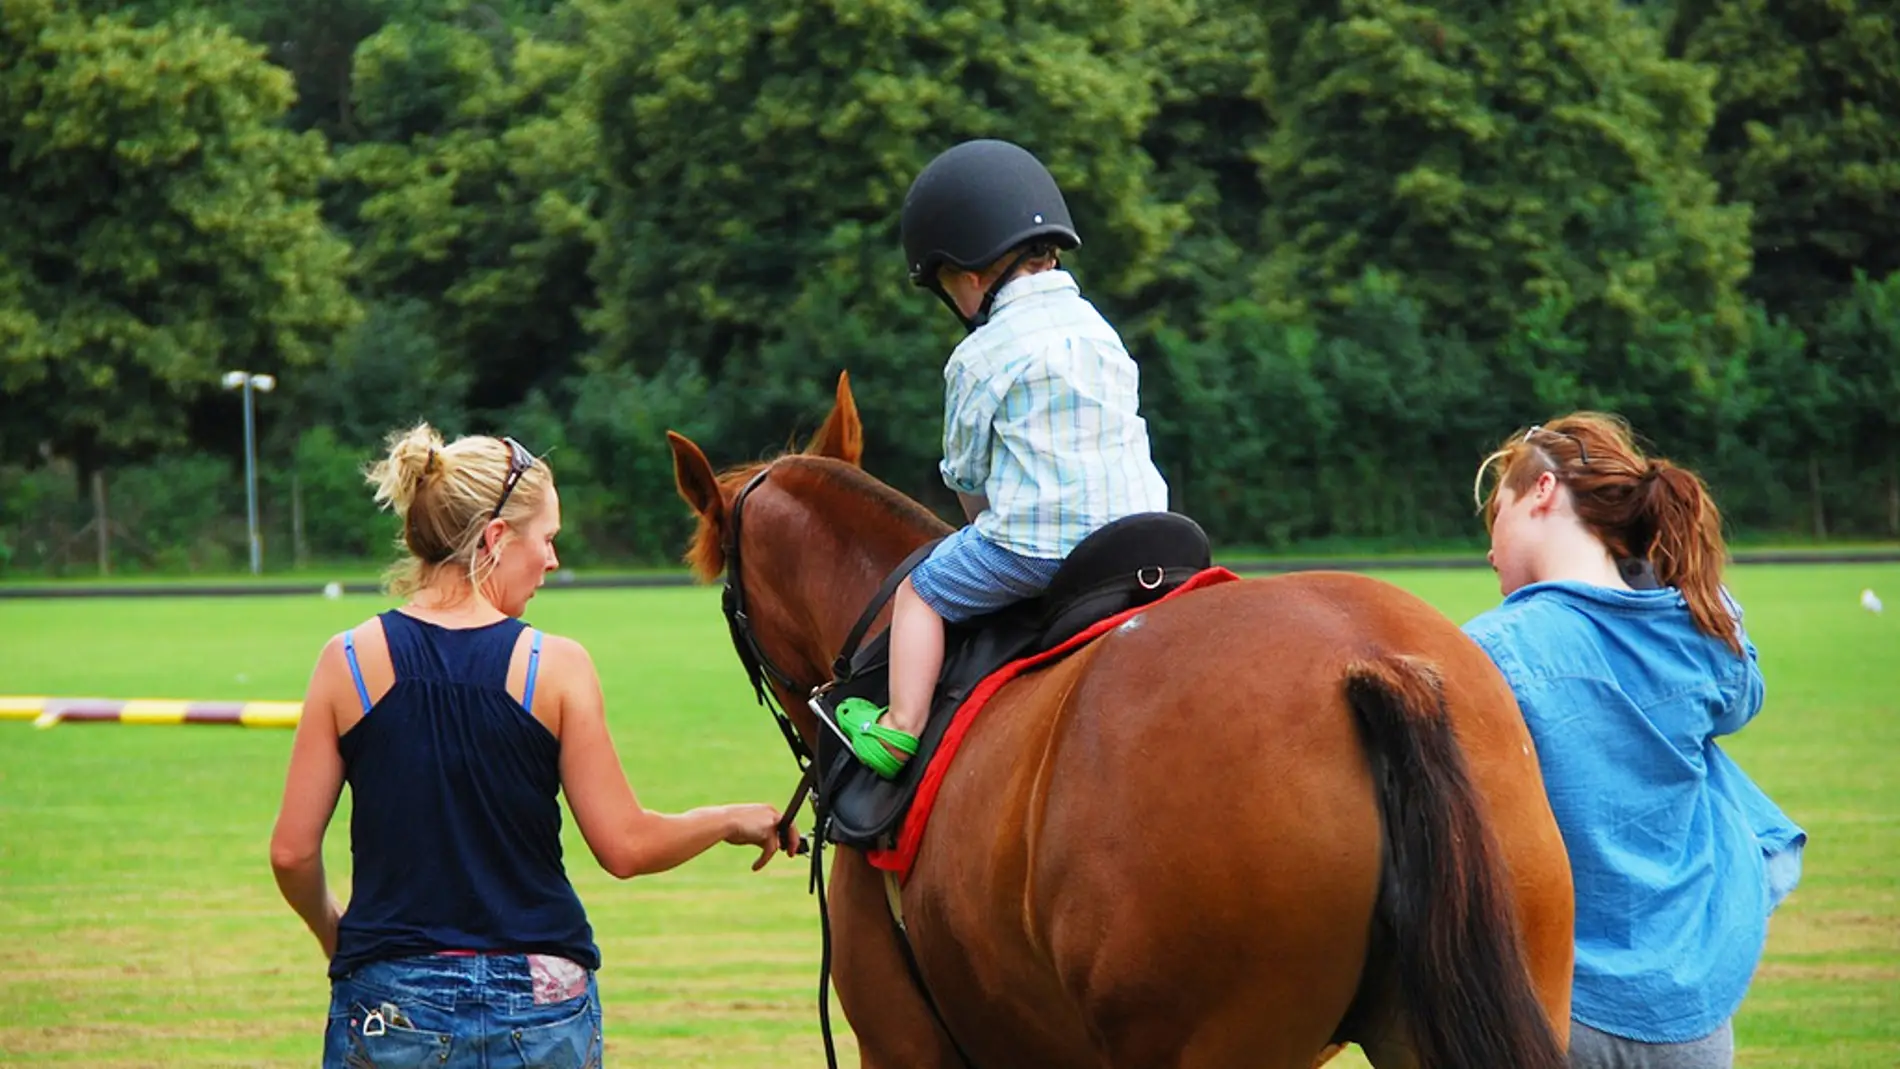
854 713
871 741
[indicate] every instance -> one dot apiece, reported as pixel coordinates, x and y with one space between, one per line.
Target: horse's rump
1185 825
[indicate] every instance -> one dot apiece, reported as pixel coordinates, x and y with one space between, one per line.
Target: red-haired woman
1629 659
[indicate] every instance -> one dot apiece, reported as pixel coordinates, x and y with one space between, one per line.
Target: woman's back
456 824
1623 697
464 945
1625 691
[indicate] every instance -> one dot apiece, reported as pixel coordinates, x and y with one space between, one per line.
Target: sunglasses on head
1583 454
520 462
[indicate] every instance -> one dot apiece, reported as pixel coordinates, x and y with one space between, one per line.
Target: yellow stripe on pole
270 714
45 712
152 711
22 708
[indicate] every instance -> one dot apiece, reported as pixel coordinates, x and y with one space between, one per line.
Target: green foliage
1808 132
1210 125
1786 419
36 517
1859 344
389 371
340 519
1316 434
317 40
608 453
160 228
1496 157
1352 245
1243 438
179 514
473 191
175 513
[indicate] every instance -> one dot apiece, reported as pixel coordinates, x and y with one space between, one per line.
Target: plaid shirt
1041 417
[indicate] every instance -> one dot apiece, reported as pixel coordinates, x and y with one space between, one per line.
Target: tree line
1352 245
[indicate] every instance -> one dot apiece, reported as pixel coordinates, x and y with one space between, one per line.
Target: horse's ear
842 436
693 474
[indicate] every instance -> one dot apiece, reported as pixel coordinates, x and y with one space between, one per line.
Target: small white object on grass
1869 601
333 591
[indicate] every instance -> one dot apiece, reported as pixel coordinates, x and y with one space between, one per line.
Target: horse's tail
1459 953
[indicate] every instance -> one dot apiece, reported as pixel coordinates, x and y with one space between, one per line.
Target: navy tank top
455 828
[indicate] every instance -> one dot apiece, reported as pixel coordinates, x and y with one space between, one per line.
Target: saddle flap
864 808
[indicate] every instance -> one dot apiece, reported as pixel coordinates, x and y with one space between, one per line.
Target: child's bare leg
916 658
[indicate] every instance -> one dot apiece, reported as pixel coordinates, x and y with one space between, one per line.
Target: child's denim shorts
968 575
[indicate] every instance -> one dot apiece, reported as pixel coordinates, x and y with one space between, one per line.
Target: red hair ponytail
1636 506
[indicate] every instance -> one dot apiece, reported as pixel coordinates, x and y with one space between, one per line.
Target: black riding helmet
975 202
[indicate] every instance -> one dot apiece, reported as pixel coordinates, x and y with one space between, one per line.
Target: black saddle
1127 563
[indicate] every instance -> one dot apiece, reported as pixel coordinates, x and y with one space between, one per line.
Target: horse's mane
707 554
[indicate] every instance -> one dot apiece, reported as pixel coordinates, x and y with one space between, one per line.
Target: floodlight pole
248 383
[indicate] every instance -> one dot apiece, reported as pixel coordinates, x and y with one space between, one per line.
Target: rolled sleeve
968 418
1746 697
1749 693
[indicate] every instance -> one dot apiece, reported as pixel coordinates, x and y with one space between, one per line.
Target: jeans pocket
571 1041
382 1038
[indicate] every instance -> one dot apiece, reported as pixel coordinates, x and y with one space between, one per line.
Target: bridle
759 666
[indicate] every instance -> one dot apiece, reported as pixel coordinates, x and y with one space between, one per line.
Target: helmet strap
949 302
989 296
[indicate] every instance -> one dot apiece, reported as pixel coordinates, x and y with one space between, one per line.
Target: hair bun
414 455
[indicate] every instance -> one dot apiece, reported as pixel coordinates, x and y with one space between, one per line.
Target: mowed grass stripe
141 926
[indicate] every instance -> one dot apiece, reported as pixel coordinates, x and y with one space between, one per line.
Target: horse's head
804 540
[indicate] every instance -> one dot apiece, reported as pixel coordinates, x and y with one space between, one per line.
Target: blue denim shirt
1670 842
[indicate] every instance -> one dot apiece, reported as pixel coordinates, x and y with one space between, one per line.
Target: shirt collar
1021 287
1663 597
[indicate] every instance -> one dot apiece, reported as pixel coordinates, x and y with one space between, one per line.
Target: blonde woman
456 725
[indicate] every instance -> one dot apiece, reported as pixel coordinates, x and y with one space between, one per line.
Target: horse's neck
854 548
839 591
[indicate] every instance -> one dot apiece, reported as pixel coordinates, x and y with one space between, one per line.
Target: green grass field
141 927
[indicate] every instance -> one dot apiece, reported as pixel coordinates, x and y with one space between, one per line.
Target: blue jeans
493 1011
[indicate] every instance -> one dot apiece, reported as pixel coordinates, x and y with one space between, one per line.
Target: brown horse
1276 815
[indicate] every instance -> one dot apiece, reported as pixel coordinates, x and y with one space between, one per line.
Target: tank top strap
410 654
534 669
487 652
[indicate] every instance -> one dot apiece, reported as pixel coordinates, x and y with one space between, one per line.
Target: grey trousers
1591 1049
